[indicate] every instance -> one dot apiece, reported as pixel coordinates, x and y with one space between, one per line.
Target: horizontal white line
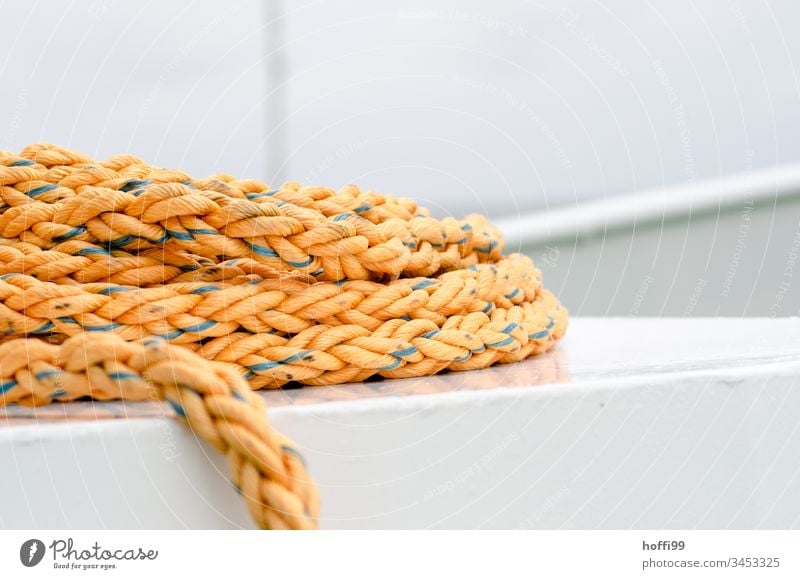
620 212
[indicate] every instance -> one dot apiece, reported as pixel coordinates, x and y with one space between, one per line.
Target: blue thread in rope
104 328
180 235
270 364
492 246
423 284
205 289
202 231
177 408
91 251
406 352
391 366
294 453
260 250
46 327
202 326
122 241
113 290
158 241
6 386
123 375
508 341
70 234
39 190
299 264
134 184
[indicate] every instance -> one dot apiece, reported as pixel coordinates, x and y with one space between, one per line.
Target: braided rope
216 402
201 289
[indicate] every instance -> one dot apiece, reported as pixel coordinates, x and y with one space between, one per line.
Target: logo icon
31 552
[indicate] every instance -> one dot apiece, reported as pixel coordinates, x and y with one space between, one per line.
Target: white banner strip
373 554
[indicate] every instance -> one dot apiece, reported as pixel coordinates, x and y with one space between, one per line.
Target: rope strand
266 468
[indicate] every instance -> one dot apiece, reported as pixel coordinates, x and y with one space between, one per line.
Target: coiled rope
120 280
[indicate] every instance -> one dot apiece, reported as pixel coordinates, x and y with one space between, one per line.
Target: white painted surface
512 105
182 85
628 424
719 247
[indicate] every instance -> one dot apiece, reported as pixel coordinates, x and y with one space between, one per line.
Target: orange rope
296 284
266 468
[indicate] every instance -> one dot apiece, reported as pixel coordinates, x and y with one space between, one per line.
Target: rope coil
119 279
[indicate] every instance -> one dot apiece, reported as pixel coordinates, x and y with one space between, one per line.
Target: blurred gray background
506 108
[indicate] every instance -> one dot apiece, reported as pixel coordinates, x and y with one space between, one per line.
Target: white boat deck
628 423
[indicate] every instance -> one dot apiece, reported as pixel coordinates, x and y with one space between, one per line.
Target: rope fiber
121 280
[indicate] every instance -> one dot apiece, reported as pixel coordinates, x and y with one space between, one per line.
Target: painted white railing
652 207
